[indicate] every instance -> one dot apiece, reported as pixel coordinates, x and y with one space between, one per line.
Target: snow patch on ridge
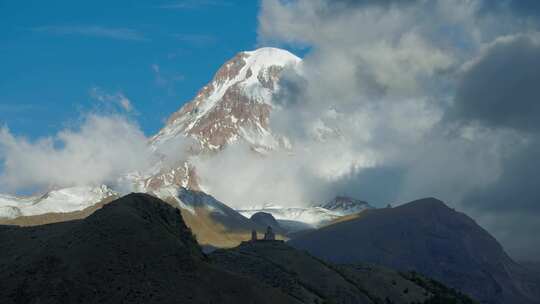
313 216
56 201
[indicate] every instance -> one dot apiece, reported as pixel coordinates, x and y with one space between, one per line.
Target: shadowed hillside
428 237
134 250
311 280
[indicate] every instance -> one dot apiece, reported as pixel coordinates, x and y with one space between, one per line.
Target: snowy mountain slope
314 216
344 205
55 201
235 105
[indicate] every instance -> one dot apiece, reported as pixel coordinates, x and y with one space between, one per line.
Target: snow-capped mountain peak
344 205
235 105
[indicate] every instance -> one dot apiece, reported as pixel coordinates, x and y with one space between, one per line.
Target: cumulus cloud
261 180
99 151
116 99
417 98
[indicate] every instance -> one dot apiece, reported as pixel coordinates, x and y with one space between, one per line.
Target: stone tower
253 235
269 235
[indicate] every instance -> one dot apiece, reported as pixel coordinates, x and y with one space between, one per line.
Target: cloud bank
424 98
100 150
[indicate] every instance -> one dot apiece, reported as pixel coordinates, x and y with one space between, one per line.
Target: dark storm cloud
530 8
502 88
511 205
523 7
517 190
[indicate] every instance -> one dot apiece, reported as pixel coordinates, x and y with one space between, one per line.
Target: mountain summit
235 105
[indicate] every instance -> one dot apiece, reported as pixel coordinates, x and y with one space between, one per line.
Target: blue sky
55 54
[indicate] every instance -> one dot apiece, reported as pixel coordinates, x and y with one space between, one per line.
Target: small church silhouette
268 236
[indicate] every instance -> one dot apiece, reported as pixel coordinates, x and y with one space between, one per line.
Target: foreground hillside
430 238
311 280
138 249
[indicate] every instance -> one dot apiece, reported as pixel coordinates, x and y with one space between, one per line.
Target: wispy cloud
116 99
166 80
194 4
93 31
196 39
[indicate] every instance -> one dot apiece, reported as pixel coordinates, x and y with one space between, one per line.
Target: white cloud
125 103
99 151
118 99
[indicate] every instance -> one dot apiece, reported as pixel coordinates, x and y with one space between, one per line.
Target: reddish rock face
183 175
224 122
234 106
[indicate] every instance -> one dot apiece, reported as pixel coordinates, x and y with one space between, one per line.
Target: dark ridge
312 280
427 202
136 249
428 237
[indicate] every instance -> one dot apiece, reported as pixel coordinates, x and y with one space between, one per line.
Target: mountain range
138 249
392 250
